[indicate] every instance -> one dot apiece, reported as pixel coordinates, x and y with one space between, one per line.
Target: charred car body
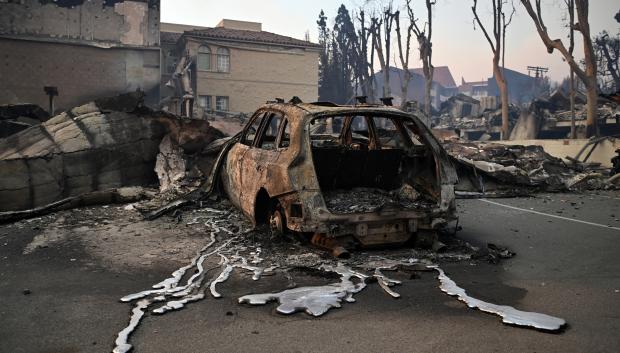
369 174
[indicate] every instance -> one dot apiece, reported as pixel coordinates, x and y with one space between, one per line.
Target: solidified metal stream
508 314
317 300
314 300
176 295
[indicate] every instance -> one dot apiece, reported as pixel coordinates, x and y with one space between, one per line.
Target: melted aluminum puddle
317 300
508 314
314 300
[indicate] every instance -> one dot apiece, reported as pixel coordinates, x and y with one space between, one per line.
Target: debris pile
106 144
17 117
466 113
490 169
546 117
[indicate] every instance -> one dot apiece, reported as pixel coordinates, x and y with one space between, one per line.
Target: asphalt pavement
567 265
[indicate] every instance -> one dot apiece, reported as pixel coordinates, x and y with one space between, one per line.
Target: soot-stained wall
107 22
86 48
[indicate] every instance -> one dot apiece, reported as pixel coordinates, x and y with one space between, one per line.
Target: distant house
236 66
522 88
443 86
474 89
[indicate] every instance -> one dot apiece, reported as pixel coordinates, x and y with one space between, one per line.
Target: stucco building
83 49
235 66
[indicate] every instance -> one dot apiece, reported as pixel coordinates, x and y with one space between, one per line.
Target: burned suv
365 173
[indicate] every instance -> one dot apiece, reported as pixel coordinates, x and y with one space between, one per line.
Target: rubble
546 117
17 117
105 144
490 169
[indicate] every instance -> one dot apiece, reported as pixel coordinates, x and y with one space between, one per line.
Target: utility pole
51 91
538 71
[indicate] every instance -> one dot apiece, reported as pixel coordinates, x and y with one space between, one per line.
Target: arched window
223 60
204 58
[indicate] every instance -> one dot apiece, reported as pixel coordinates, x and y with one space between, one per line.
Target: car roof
312 110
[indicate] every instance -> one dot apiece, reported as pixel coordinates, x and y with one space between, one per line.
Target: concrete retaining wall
562 148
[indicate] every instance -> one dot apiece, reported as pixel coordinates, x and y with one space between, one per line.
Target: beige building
235 66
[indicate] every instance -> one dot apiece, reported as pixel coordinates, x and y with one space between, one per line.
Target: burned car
363 174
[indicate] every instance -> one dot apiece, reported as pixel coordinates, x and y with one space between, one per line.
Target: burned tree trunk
498 44
426 52
498 73
106 144
588 76
403 54
382 42
570 5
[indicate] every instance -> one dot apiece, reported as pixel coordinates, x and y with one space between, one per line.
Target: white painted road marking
549 215
609 197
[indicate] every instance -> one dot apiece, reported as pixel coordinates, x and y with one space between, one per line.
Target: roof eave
202 36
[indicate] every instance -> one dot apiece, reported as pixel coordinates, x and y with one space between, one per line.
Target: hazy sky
455 42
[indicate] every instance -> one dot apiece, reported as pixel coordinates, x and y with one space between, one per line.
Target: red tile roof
169 37
441 75
250 36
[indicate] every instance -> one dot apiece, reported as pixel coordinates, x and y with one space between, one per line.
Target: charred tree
364 70
382 42
403 55
498 44
325 84
344 55
425 45
588 76
570 6
607 55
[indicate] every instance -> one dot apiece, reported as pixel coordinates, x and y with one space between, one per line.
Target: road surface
567 265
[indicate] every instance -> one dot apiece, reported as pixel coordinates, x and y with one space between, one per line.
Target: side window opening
414 133
250 134
326 131
270 131
359 133
285 138
389 135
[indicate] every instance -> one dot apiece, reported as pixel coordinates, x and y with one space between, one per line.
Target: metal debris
176 295
385 282
508 314
314 300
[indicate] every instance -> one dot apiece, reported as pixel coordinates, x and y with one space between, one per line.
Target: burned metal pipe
331 244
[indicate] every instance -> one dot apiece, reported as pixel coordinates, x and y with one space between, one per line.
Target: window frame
258 115
219 56
227 104
208 53
269 115
285 123
208 100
